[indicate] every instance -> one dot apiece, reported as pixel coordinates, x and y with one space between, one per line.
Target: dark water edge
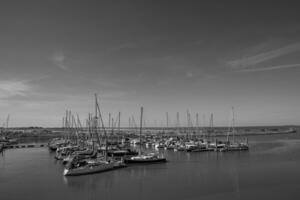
270 170
27 140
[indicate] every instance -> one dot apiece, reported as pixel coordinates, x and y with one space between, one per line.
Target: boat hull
122 153
202 150
239 148
52 148
1 147
89 170
136 161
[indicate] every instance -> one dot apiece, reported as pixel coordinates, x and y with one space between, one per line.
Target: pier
23 146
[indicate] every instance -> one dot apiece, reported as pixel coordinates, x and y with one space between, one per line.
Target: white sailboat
90 166
142 157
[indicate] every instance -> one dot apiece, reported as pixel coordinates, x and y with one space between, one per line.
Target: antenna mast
141 124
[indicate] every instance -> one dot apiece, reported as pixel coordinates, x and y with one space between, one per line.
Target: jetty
22 146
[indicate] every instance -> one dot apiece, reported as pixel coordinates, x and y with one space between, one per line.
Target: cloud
59 60
13 88
251 61
270 68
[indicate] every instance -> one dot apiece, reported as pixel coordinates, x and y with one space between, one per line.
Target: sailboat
142 157
119 149
90 166
234 146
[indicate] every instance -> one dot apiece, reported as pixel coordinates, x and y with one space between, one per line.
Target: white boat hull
89 169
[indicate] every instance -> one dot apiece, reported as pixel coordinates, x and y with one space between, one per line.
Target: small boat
119 164
217 145
148 158
57 143
180 147
135 142
148 144
63 152
235 147
160 145
7 141
189 146
202 146
170 147
144 158
122 152
202 149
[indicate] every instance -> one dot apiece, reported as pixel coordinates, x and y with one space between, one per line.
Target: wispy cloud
13 88
247 63
270 68
59 60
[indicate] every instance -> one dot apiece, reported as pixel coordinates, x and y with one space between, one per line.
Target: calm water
271 169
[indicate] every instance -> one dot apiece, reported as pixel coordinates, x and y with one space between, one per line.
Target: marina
273 160
149 100
149 163
97 149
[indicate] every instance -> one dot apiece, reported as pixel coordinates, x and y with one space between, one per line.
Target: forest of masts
73 126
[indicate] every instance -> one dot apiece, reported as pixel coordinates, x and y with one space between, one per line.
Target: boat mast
233 125
63 123
203 127
7 121
109 122
133 124
119 138
141 124
197 124
103 127
66 126
112 126
90 130
167 117
96 120
188 124
129 123
69 125
211 122
75 129
177 122
119 122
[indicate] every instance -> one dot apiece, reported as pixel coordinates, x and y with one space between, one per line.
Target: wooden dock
22 146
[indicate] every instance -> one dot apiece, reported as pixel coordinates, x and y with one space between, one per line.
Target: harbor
90 152
273 160
149 100
79 161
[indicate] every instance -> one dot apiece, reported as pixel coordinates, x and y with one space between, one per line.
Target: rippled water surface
270 170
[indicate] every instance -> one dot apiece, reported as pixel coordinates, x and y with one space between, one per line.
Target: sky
167 56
